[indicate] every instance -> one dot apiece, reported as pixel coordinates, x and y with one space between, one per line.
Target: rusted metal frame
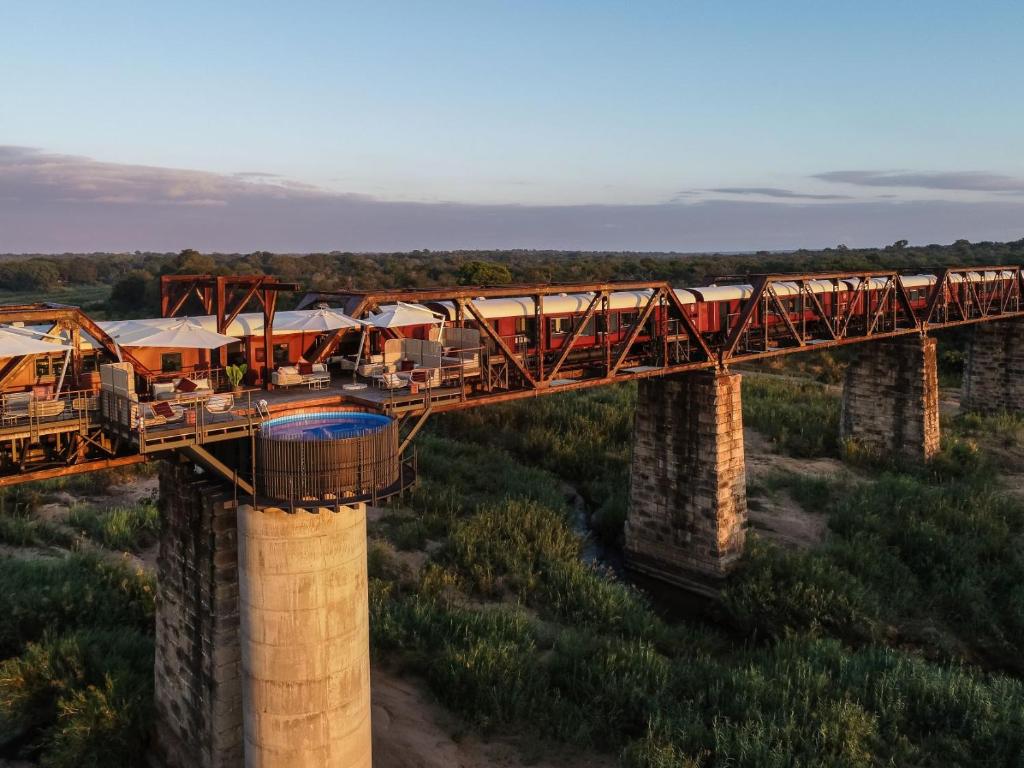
574 336
955 289
656 295
88 439
938 292
12 368
1012 293
331 342
746 314
606 309
488 329
877 313
538 311
774 297
506 291
903 298
973 293
851 310
226 318
104 339
73 469
818 308
269 310
199 455
989 294
691 329
415 428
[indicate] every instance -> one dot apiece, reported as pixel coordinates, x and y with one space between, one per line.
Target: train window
42 367
89 364
591 327
170 362
559 325
626 319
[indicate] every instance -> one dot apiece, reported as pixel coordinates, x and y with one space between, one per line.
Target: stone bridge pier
262 635
688 496
891 398
994 368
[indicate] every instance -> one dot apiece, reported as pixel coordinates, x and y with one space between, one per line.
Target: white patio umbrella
16 342
401 314
181 332
314 321
397 316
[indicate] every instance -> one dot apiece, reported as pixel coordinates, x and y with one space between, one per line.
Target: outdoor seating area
182 387
312 375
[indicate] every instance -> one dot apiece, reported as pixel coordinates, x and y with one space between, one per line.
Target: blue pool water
328 425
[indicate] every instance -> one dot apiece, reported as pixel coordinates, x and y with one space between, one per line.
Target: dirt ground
411 730
776 515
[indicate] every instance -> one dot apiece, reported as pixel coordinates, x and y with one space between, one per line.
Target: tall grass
77 650
124 528
801 417
508 626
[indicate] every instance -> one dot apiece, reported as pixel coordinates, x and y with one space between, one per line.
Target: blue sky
492 105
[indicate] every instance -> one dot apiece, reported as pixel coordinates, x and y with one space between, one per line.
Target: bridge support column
198 657
891 399
687 497
994 368
305 637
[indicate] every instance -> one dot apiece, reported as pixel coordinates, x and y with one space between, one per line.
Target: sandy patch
411 730
776 515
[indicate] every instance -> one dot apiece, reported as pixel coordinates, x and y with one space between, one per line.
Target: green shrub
122 528
801 417
61 595
779 592
82 699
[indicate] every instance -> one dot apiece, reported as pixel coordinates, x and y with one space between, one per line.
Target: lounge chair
292 375
389 381
46 409
16 405
161 412
171 390
219 405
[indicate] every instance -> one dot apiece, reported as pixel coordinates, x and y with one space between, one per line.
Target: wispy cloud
775 192
55 203
964 181
28 174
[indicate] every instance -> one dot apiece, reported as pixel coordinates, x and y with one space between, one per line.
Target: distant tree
136 294
484 273
191 262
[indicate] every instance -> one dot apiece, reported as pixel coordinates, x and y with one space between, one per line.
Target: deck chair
155 414
219 405
46 409
389 381
16 405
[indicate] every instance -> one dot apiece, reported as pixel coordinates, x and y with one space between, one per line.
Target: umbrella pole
359 353
63 372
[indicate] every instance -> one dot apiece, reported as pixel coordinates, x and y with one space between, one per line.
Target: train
713 310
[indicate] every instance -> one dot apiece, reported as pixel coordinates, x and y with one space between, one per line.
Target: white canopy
15 343
400 315
181 332
317 321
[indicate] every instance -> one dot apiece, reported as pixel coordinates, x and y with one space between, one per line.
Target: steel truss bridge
664 339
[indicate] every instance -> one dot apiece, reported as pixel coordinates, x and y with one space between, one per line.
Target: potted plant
235 374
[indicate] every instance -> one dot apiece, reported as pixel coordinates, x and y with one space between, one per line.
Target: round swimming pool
324 425
326 455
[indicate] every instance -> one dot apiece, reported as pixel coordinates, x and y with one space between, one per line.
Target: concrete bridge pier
890 402
262 633
687 496
994 368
